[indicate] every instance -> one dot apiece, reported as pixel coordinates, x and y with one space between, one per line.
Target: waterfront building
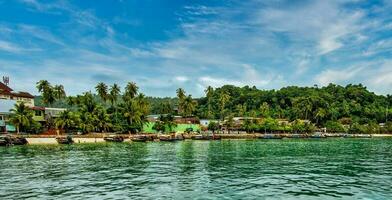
7 93
5 107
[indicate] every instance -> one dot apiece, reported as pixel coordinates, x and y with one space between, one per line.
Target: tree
102 90
181 98
223 99
49 93
335 127
59 92
66 120
189 106
114 93
165 123
21 116
229 123
209 94
213 126
131 90
265 110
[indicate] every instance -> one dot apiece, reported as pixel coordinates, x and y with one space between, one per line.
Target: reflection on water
229 169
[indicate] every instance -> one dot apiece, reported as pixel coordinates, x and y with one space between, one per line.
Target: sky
166 44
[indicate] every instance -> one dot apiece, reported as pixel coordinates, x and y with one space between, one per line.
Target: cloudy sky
165 44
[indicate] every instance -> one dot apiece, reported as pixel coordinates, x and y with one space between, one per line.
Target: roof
38 108
4 87
22 94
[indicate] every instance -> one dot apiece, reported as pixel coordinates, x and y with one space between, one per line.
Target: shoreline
98 138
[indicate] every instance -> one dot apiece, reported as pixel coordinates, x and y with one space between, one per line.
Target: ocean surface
228 169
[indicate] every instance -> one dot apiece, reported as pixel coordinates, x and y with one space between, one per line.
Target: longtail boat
64 140
171 138
270 136
140 138
4 140
206 137
114 138
7 140
17 140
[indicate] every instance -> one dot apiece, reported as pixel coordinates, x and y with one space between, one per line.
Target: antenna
6 80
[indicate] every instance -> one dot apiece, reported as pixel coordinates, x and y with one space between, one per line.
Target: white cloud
181 79
338 76
14 48
377 75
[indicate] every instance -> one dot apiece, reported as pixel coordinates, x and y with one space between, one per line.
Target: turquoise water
229 169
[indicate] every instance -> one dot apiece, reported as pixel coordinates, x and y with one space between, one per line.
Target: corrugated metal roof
6 105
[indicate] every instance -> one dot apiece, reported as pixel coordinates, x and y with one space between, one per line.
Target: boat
318 135
17 140
200 137
114 138
65 140
357 136
296 136
270 136
140 138
206 137
4 140
7 140
170 138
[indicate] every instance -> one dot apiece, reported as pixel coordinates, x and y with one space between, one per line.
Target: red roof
5 88
22 94
38 108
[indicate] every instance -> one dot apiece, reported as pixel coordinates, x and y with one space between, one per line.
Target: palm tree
113 96
131 90
43 85
209 93
181 97
133 114
114 93
102 119
189 106
59 92
223 99
21 116
102 90
229 123
50 94
66 120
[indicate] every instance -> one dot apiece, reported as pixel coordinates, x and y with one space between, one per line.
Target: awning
10 128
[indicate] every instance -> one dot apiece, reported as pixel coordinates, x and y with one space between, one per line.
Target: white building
7 93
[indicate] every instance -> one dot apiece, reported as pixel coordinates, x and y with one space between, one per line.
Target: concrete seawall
53 140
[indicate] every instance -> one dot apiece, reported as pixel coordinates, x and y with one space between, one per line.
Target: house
206 122
5 107
7 93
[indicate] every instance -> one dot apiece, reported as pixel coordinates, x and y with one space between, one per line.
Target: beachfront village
227 111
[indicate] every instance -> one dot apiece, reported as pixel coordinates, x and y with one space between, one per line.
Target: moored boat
16 140
114 138
140 138
64 140
271 136
357 136
318 135
206 137
4 140
171 138
12 140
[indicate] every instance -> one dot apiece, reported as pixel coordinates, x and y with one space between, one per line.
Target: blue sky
165 44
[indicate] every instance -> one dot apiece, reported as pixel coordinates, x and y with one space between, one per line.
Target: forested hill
352 103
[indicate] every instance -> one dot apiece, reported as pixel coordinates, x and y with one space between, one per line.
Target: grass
147 128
